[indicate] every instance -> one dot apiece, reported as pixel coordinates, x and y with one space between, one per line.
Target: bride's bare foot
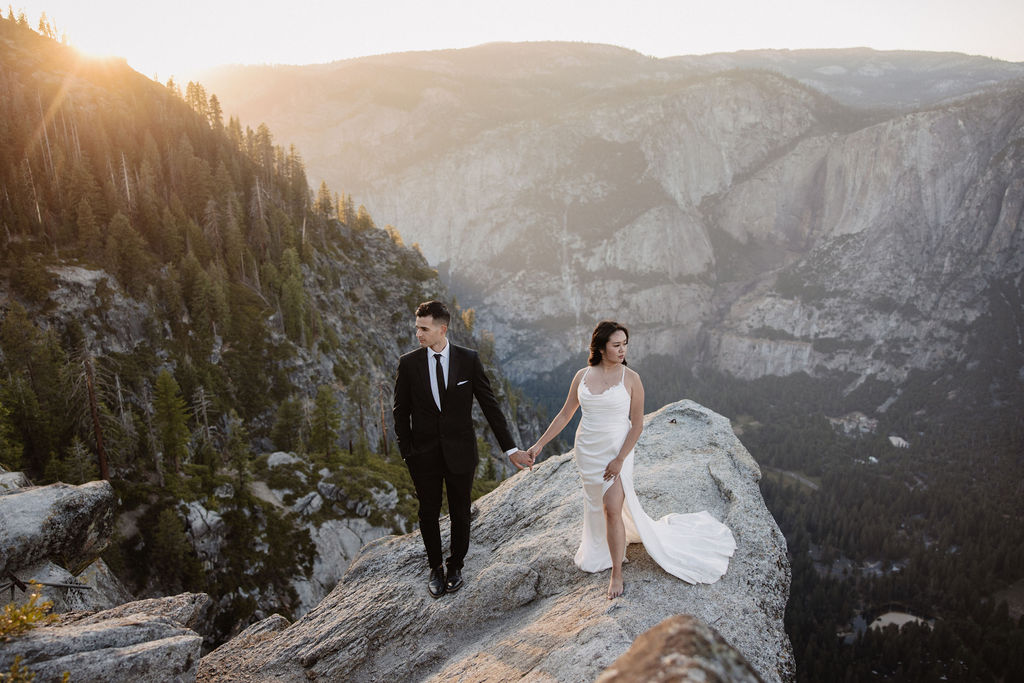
615 586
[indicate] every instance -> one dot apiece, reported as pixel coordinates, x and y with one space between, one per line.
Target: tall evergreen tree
171 420
215 113
293 296
324 206
326 421
287 431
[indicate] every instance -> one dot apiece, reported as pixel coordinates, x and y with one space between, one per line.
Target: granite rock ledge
525 609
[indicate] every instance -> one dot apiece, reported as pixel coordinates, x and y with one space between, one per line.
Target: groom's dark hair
602 333
436 310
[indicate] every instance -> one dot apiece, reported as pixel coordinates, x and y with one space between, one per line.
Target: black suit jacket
424 432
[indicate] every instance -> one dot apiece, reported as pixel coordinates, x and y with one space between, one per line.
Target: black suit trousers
459 486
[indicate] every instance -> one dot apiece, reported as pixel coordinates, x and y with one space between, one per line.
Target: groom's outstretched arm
489 405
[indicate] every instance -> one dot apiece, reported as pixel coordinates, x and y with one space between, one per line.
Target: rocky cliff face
525 609
149 641
900 230
737 219
100 633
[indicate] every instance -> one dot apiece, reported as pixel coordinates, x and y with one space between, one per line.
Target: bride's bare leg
615 531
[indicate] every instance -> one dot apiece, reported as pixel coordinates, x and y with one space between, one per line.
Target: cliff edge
526 610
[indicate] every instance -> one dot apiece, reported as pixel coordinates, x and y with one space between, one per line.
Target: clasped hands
525 459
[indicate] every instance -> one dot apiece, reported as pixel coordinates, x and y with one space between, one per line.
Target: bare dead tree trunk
256 275
201 405
127 188
147 408
35 195
78 140
46 138
259 197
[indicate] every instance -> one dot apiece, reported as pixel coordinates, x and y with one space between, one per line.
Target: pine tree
10 448
238 451
293 296
326 421
287 431
195 96
171 420
33 387
170 550
359 393
127 255
215 113
79 465
31 280
324 206
348 207
89 236
363 221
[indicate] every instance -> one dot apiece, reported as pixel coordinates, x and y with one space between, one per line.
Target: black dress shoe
454 580
436 584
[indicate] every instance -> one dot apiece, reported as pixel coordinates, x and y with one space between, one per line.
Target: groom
433 409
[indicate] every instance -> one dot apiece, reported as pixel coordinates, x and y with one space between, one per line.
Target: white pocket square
462 382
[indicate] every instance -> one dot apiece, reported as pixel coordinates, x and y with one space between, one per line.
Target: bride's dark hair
602 333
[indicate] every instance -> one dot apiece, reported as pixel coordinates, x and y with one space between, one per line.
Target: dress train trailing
694 546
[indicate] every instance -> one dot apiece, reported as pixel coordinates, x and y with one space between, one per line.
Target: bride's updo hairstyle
602 333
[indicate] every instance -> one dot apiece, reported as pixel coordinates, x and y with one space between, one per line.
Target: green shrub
19 619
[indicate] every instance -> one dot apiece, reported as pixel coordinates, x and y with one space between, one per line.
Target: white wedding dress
694 547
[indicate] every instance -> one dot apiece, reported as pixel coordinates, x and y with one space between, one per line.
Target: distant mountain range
735 209
861 77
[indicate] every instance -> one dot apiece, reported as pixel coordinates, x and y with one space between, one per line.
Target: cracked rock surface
526 610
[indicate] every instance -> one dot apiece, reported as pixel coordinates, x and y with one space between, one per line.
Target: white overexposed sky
165 39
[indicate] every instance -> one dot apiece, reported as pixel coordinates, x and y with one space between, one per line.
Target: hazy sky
196 34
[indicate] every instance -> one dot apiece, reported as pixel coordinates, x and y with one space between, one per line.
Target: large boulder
526 610
145 641
681 649
95 588
71 524
107 590
13 480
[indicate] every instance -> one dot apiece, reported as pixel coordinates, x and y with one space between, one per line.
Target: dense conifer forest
935 529
175 304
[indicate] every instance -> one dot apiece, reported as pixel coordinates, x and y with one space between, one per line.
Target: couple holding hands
434 393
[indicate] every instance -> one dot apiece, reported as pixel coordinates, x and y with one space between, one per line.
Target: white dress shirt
432 373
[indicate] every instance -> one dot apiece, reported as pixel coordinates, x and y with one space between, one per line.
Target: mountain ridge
666 166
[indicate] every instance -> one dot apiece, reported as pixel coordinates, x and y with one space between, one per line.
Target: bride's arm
572 402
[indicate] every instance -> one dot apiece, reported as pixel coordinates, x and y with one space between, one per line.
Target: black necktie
440 379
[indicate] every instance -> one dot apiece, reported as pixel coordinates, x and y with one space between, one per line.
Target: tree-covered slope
175 303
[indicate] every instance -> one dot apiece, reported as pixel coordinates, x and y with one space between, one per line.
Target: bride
694 547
